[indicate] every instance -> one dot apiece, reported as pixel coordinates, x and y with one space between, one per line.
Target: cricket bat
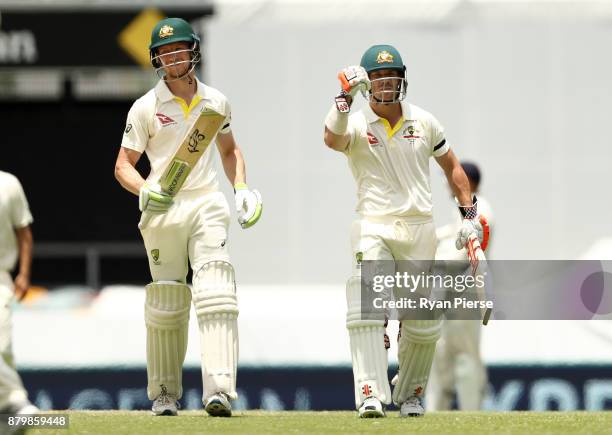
192 147
477 259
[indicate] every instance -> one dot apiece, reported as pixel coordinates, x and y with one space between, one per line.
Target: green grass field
263 422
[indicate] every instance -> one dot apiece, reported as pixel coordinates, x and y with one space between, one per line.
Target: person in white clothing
458 366
389 144
15 246
188 227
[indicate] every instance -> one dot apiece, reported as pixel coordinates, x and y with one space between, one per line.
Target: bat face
192 147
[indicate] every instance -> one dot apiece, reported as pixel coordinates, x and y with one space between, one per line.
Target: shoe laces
414 400
164 397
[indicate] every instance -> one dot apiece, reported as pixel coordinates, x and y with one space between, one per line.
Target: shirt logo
128 128
164 119
166 31
373 140
384 57
411 133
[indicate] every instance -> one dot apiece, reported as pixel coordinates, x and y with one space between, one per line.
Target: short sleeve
438 142
20 210
136 133
226 127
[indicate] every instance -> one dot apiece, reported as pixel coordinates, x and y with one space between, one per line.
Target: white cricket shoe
412 408
218 405
165 404
371 408
27 408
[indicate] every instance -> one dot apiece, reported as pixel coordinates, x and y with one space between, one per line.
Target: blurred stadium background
522 87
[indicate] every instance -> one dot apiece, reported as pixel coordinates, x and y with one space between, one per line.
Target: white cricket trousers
193 230
12 391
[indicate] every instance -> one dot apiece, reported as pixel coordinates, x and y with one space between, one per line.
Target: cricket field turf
335 422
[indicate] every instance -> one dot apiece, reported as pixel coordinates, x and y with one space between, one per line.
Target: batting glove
354 79
248 205
153 200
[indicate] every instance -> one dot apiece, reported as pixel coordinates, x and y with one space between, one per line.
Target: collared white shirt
14 214
391 165
158 121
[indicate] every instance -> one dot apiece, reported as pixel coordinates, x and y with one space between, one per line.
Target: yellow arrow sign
135 38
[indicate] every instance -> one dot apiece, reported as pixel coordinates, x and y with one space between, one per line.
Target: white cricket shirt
14 213
157 123
391 165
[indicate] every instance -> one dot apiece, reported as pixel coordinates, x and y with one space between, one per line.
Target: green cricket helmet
168 31
385 57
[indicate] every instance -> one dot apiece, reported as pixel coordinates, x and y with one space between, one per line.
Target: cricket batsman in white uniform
185 219
458 365
15 244
388 144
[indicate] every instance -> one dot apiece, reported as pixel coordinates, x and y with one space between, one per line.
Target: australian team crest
384 57
411 133
155 256
166 31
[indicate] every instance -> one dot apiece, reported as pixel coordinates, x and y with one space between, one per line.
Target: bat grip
346 87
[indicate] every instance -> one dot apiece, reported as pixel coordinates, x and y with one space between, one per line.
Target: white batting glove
354 79
248 205
153 200
469 227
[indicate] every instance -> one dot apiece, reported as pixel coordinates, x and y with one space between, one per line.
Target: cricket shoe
27 408
165 404
371 408
218 405
412 408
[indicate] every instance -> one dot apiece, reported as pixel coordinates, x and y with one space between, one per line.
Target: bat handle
346 87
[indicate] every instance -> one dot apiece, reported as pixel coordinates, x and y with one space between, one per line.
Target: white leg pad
415 356
368 351
167 307
214 294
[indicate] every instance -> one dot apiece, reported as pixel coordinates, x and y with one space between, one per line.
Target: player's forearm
25 242
455 175
234 167
129 178
460 185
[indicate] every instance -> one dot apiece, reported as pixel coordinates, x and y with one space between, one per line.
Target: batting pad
167 307
415 356
214 295
367 349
